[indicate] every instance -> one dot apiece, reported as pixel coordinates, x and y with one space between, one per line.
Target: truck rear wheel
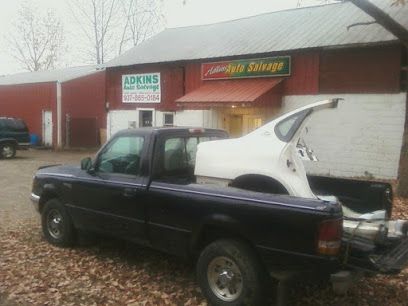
7 150
57 225
229 273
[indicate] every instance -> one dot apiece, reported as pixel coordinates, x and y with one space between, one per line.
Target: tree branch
383 19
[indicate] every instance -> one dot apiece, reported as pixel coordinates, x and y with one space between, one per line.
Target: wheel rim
7 151
225 278
54 223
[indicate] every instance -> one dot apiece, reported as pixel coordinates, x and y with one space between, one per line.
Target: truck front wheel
7 150
229 273
56 224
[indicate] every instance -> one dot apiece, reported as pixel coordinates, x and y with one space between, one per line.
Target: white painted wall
189 118
362 137
158 118
199 118
120 120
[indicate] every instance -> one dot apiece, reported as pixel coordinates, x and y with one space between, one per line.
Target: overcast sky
176 14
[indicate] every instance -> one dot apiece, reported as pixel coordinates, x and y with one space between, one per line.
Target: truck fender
48 192
216 226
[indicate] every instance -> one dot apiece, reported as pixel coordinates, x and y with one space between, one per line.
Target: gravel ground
108 272
16 178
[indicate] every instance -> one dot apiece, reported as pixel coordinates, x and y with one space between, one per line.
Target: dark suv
14 135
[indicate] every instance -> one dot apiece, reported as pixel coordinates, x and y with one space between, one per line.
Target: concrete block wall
363 137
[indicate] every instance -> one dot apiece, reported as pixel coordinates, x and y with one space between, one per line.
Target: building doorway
251 123
239 121
145 118
47 128
235 125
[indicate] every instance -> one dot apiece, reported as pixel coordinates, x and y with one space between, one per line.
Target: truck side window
122 156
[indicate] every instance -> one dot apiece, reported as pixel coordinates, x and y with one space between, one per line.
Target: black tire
56 224
8 150
238 257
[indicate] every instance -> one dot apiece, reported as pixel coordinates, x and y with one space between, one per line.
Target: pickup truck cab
14 136
141 187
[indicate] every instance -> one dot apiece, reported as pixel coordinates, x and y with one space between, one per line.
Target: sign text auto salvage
141 88
246 68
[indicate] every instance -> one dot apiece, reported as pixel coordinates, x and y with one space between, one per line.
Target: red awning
227 92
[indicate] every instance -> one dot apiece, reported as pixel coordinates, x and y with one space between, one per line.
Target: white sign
141 88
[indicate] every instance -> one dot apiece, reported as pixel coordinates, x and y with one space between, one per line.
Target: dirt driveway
16 177
110 272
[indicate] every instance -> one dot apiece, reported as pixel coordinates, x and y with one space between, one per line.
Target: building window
168 119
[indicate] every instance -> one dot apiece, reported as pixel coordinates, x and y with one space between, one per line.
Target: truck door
112 199
172 213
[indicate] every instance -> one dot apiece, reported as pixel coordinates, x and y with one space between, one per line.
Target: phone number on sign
141 98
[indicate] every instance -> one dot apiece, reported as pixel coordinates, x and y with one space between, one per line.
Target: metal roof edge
92 70
97 70
272 53
27 83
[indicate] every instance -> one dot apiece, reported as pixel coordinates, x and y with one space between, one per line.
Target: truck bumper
35 199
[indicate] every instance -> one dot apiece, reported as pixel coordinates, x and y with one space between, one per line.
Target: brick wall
363 137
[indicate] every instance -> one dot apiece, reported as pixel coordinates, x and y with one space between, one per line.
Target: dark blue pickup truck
14 135
141 187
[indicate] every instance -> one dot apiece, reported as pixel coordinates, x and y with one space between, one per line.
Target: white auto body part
261 152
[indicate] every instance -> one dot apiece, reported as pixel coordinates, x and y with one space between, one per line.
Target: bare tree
36 39
115 25
399 2
142 19
97 19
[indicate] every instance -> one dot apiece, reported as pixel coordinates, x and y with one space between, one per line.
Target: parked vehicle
14 136
141 187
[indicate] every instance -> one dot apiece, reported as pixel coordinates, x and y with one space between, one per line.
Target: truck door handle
130 192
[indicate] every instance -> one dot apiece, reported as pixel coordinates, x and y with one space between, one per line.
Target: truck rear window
179 155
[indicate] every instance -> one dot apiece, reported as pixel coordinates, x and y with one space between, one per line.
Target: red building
239 74
64 107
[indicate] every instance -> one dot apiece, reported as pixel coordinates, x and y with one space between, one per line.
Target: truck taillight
329 237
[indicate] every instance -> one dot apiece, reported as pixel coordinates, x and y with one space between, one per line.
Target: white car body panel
261 152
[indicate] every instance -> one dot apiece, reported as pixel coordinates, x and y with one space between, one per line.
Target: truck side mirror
86 164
